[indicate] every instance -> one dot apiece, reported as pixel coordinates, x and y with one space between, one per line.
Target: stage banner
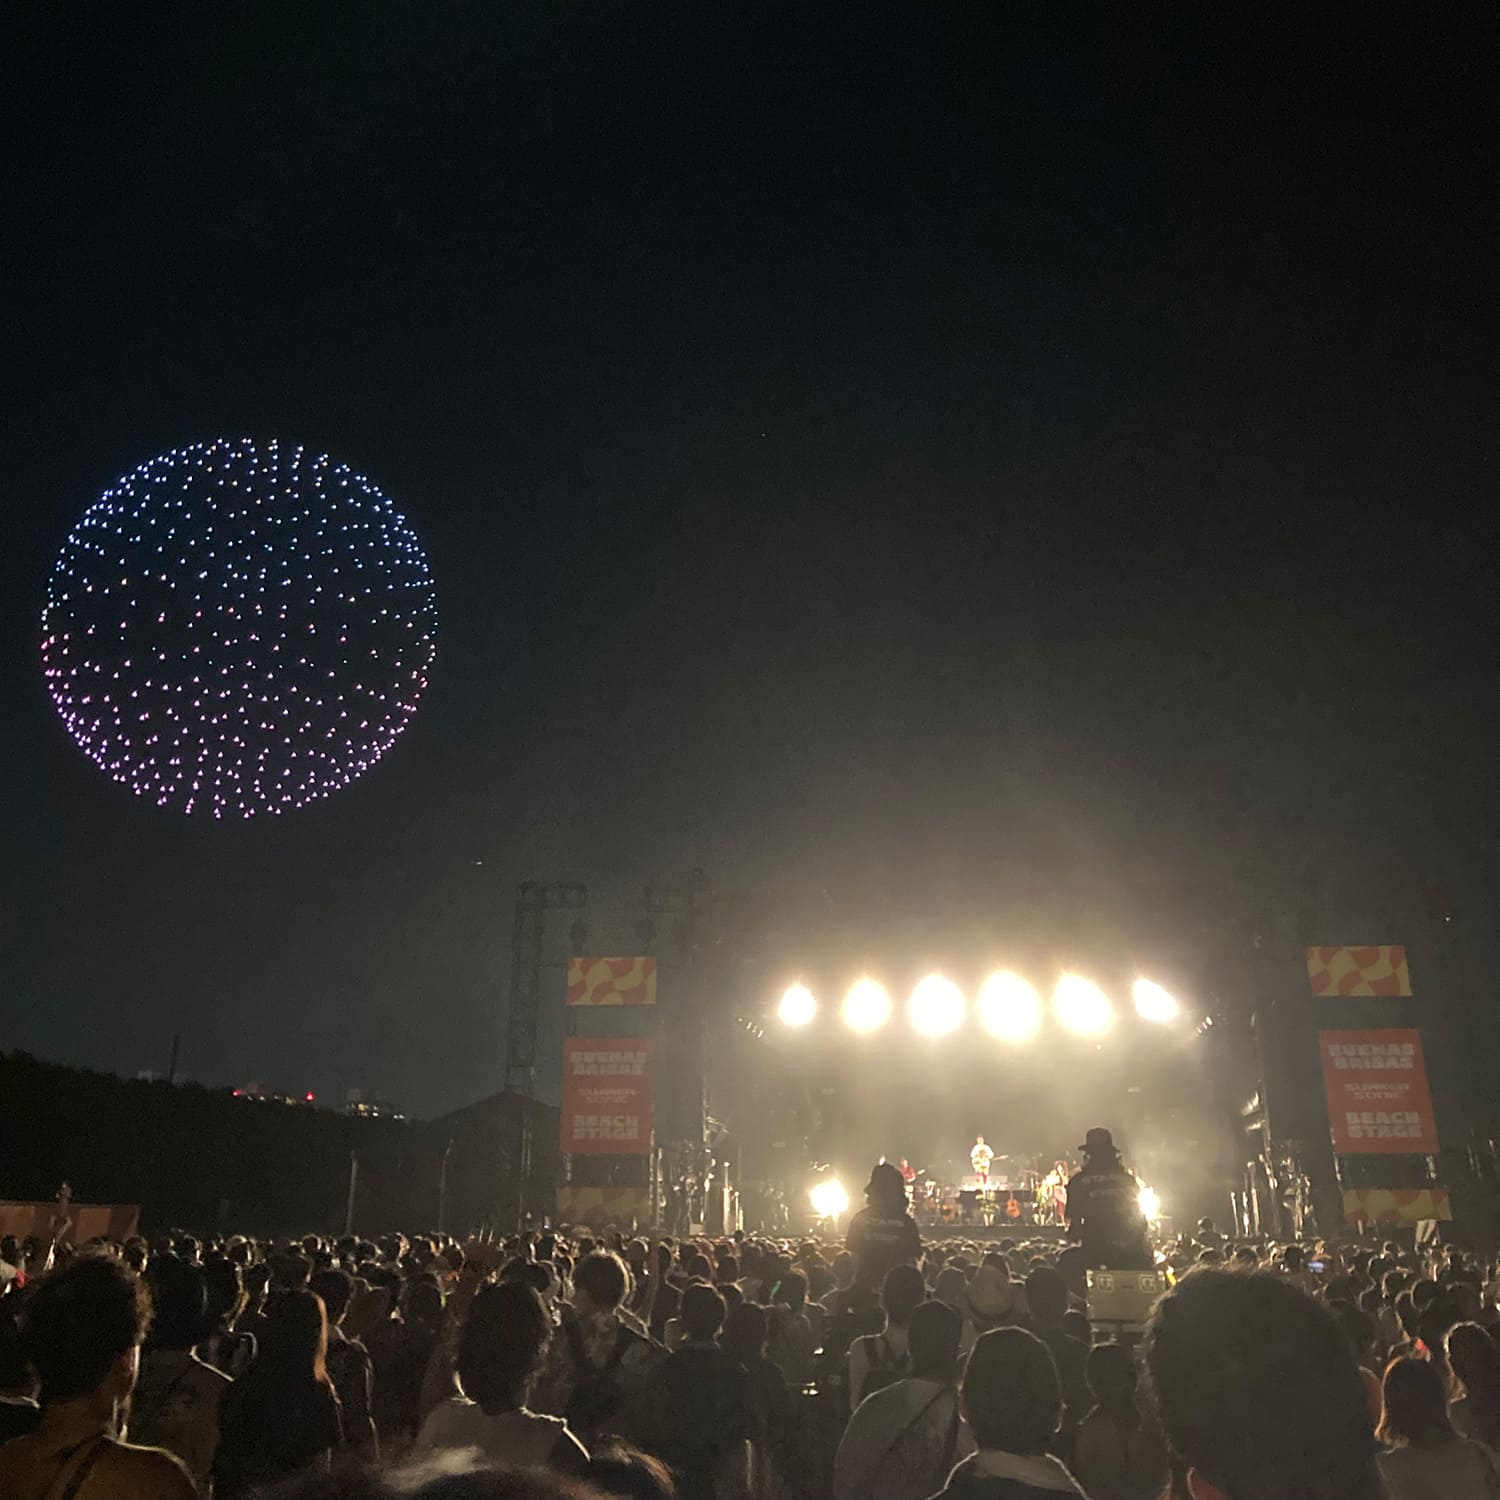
611 981
1378 1099
606 1107
1379 970
1395 1205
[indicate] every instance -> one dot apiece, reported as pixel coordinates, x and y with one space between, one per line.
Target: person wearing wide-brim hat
1104 1207
1099 1147
883 1234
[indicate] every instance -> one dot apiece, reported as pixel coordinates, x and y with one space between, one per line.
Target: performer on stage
909 1178
980 1158
1060 1192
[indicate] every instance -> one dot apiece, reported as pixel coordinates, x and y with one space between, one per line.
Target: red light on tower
309 1097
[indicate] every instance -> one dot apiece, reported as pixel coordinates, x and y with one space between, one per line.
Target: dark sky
864 450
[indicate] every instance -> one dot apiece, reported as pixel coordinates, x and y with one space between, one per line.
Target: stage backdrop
606 1109
1378 1098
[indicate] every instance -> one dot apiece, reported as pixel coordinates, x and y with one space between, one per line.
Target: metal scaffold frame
535 899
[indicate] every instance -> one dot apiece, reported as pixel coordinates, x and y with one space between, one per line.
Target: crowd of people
744 1368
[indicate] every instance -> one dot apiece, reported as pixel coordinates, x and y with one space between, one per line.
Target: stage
992 1234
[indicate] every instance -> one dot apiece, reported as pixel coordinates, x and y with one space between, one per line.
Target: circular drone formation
233 629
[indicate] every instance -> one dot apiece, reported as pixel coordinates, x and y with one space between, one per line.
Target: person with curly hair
504 1339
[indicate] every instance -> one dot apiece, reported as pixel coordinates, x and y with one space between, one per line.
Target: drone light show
235 629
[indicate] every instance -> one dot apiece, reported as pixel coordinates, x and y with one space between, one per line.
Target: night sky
914 459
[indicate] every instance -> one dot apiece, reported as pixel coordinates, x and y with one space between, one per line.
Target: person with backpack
597 1363
696 1410
792 1342
880 1359
1012 1401
903 1441
176 1400
773 1417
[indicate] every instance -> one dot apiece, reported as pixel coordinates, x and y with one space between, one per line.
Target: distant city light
1009 1007
937 1006
1082 1007
867 1006
798 1006
1153 1003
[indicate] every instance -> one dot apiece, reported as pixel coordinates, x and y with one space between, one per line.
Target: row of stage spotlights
1007 1005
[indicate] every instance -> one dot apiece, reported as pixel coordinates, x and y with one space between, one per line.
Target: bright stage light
1009 1008
937 1006
829 1199
867 1006
798 1006
1153 1003
1150 1201
1082 1006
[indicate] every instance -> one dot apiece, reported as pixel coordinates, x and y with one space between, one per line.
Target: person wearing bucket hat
1104 1207
993 1300
883 1234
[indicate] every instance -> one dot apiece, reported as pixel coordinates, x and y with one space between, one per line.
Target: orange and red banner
1378 1098
86 1221
1377 970
1395 1205
606 1106
611 981
599 1207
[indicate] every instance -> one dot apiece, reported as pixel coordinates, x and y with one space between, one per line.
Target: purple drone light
234 629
